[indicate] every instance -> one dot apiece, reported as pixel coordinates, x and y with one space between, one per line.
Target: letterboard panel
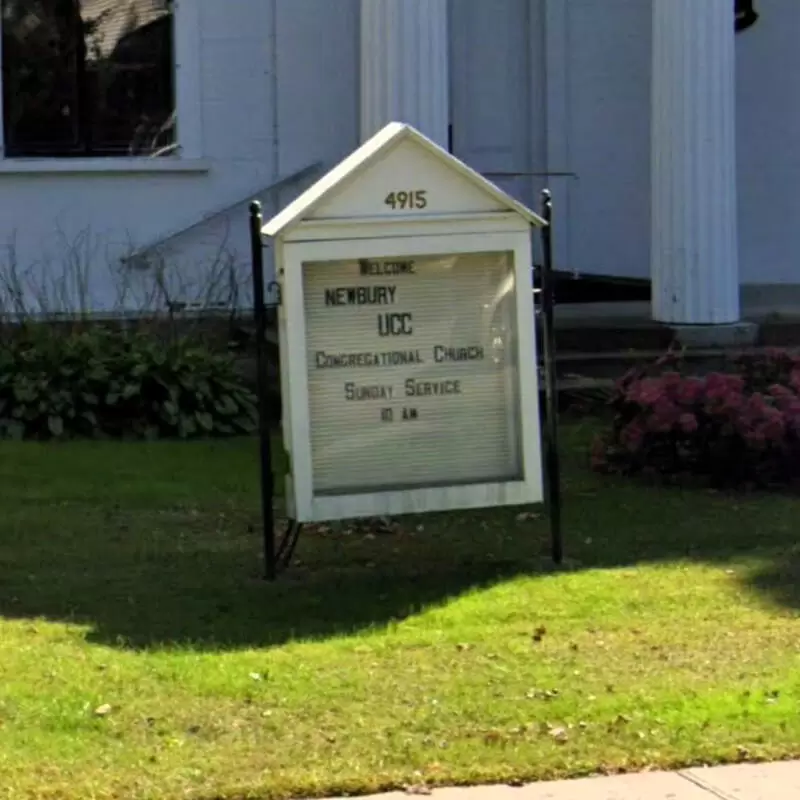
412 372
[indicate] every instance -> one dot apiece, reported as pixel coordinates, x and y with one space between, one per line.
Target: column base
736 334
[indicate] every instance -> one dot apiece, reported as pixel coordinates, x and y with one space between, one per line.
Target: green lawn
446 651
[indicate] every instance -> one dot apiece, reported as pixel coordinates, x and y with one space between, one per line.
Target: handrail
280 183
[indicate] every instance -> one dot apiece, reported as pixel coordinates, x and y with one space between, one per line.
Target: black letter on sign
394 325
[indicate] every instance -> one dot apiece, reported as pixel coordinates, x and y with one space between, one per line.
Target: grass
445 651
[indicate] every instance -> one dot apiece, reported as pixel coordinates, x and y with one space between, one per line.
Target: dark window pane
88 77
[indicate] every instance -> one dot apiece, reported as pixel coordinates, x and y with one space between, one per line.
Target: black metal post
262 389
552 467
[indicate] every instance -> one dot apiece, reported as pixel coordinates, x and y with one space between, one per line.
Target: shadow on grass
210 594
779 579
175 559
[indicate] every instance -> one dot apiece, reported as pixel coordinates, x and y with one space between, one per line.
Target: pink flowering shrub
740 427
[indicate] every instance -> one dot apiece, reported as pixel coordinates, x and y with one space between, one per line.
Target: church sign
408 353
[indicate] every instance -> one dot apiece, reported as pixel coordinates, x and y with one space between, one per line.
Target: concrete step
615 364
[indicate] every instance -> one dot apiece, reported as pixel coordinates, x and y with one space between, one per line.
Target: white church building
135 133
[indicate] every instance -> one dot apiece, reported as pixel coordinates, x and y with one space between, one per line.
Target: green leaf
186 426
13 429
24 391
226 406
90 417
205 421
151 433
246 424
56 426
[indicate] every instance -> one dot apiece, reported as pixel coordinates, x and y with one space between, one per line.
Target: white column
404 66
694 259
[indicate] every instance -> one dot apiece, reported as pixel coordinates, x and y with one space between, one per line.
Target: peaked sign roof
370 153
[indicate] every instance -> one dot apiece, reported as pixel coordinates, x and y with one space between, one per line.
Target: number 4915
405 201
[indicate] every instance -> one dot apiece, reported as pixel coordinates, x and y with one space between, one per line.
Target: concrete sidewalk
780 781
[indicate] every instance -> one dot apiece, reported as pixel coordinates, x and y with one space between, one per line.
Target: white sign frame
303 504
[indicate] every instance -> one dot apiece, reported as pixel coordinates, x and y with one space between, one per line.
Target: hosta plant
101 383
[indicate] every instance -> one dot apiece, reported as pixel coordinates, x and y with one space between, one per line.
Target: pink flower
755 438
794 379
773 425
632 435
718 385
646 392
733 401
690 391
779 391
688 422
757 403
666 410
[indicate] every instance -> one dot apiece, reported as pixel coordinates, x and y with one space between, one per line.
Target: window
88 78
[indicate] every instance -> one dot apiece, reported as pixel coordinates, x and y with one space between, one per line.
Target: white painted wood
188 72
694 255
405 66
317 58
328 225
403 148
2 123
408 167
188 90
77 202
598 58
432 225
309 506
420 501
600 128
496 71
99 166
557 121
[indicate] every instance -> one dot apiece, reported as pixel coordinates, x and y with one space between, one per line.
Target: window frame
188 108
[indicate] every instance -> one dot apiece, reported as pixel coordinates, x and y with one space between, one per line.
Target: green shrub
108 384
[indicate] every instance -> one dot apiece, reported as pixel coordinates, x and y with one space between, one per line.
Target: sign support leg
262 389
552 466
